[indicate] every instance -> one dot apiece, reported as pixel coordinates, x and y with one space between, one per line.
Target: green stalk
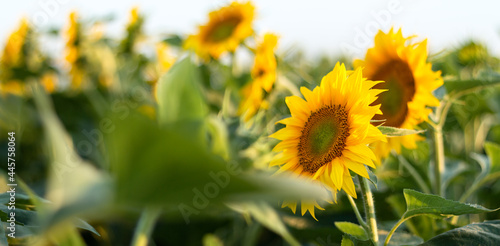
358 215
369 208
145 226
439 167
388 238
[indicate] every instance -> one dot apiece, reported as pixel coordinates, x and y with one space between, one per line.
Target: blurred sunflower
263 74
225 30
73 51
164 60
409 81
21 60
13 57
327 135
134 31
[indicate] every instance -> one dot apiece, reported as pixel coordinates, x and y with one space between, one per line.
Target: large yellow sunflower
225 30
328 134
263 75
409 81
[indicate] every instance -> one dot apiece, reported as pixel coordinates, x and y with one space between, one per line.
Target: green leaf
212 240
174 40
485 233
149 163
3 238
179 94
219 135
455 86
267 216
396 132
420 226
346 241
352 229
23 217
432 205
493 152
71 179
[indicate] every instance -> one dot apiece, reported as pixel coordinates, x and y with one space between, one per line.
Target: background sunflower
409 81
226 29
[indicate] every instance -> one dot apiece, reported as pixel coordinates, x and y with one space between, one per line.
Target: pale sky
316 26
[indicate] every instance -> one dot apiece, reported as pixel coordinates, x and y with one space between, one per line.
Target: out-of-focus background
318 27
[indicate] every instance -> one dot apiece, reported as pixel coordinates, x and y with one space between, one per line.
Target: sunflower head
134 31
472 53
409 82
226 29
13 51
327 134
263 77
74 51
164 58
22 59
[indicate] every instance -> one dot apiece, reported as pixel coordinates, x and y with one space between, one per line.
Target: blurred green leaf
432 205
3 238
485 233
23 217
454 169
373 178
174 40
349 240
352 229
71 180
154 166
400 238
179 94
396 132
469 86
219 135
493 152
267 216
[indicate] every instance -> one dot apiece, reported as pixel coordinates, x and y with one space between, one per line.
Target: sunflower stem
145 226
369 208
439 159
358 215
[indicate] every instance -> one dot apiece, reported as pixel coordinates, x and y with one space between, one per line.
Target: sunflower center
323 137
224 29
400 83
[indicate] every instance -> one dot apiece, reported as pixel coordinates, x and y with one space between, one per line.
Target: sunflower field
175 139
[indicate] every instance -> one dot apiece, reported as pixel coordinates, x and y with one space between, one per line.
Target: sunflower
328 133
73 51
21 54
409 81
263 75
133 33
13 57
164 60
225 30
